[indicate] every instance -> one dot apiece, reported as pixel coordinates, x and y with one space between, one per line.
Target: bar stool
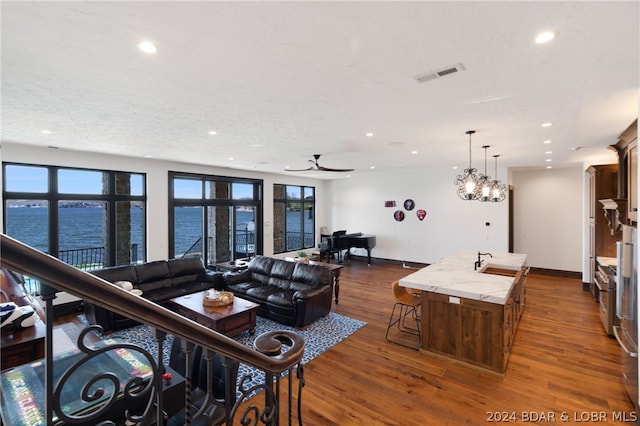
407 304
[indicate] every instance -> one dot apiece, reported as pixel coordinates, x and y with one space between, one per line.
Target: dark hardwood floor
562 363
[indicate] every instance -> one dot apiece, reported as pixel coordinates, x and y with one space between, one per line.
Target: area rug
319 336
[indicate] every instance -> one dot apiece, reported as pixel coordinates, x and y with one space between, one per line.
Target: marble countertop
607 261
455 276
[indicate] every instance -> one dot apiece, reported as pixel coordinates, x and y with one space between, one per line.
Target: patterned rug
318 337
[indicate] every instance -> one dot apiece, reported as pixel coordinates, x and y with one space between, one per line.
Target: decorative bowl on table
217 298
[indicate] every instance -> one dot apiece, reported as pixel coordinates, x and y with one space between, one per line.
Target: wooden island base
472 331
471 305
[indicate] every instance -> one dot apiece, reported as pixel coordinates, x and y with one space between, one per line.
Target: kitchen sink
499 271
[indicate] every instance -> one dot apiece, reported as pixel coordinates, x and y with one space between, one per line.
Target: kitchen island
470 311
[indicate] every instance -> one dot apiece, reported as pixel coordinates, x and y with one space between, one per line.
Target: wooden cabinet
626 147
603 185
632 183
473 331
22 345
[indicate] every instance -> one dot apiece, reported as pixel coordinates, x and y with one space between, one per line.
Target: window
293 217
87 218
214 218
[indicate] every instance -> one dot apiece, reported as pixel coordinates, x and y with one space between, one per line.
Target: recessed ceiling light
147 47
455 167
369 134
545 37
547 124
372 167
213 132
547 141
549 167
414 152
231 158
46 132
548 152
548 160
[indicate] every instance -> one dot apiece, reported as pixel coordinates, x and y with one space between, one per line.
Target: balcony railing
85 258
59 276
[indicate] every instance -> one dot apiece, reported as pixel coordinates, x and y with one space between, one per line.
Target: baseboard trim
557 273
404 264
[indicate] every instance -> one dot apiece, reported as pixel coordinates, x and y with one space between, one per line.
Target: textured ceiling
282 81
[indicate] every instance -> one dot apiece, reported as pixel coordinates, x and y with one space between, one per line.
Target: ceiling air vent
432 75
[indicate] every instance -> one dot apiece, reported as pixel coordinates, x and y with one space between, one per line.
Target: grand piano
340 241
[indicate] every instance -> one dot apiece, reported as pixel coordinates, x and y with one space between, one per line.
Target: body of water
83 227
79 227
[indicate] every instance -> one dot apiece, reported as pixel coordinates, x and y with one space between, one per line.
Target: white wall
451 224
157 186
548 202
548 217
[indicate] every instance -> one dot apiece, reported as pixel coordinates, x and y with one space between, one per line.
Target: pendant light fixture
483 188
468 181
498 189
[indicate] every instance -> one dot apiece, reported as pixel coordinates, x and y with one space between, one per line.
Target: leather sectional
159 281
290 293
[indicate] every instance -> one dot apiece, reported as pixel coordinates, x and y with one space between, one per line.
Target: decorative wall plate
398 215
409 204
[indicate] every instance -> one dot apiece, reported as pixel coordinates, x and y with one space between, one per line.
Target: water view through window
214 218
294 218
87 218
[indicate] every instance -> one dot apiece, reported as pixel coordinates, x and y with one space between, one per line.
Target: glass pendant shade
468 181
484 181
498 189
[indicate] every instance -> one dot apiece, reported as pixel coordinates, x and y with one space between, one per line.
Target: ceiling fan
317 167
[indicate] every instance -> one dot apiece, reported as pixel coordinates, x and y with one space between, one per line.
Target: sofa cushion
153 275
162 295
181 267
260 269
243 287
118 273
195 286
281 272
273 295
313 275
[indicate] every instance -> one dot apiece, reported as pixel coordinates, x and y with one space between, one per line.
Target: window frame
53 197
205 203
288 201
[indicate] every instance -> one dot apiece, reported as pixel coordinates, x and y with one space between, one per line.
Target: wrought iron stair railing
268 356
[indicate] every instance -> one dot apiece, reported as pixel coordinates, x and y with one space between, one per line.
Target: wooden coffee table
230 320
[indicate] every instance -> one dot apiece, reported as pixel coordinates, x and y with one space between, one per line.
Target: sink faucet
478 263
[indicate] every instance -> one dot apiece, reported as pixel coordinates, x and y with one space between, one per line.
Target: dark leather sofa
159 281
290 293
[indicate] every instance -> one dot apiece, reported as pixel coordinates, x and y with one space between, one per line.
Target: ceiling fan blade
318 167
328 169
299 170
